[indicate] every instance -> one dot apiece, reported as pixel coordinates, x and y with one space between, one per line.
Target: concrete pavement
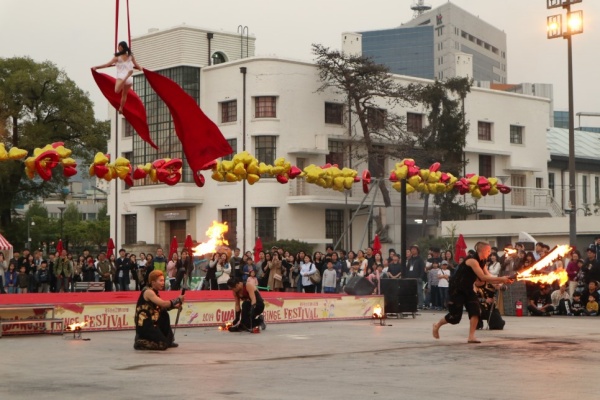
533 358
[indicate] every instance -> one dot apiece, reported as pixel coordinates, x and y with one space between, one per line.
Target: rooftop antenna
419 7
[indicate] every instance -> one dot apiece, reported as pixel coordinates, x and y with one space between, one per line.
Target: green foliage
444 243
293 246
40 105
71 214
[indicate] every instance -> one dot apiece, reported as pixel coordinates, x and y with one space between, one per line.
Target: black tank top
245 296
465 277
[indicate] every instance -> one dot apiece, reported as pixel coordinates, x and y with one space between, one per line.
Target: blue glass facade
405 51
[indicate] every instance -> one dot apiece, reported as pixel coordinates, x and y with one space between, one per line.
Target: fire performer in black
461 293
249 306
486 292
152 323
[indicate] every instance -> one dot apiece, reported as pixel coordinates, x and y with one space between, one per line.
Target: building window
229 215
377 161
233 144
336 153
265 149
539 183
414 122
516 134
551 183
484 130
129 156
218 58
229 111
485 165
266 223
265 107
334 224
127 129
584 188
334 113
376 118
130 228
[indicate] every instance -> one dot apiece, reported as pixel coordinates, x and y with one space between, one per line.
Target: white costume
123 68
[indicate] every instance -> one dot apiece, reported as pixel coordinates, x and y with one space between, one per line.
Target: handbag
316 277
277 277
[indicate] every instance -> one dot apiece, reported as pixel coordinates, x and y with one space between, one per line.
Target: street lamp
61 209
32 223
556 29
503 180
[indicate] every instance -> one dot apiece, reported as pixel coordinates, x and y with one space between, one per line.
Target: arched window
218 58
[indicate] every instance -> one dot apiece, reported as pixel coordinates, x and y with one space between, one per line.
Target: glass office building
405 51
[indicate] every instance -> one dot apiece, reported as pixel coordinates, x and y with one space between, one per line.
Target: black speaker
408 287
359 286
390 288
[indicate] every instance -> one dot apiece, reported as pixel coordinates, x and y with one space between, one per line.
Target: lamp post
556 29
32 223
61 209
503 180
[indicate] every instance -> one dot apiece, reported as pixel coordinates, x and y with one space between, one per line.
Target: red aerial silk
134 111
202 140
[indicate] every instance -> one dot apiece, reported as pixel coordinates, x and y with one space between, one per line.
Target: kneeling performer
152 323
248 314
461 293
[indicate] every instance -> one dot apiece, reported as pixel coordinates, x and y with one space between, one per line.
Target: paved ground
533 358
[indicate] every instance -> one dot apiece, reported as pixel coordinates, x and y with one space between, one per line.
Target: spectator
591 267
89 270
51 268
236 263
113 268
223 271
486 292
182 268
433 282
248 268
307 268
77 270
10 277
541 303
251 278
443 284
577 307
43 277
364 263
494 266
3 269
596 246
105 272
122 265
211 273
275 281
172 269
149 267
449 258
591 290
23 279
319 262
63 271
133 265
339 268
369 256
160 261
415 270
391 253
572 270
141 270
591 308
539 248
329 278
394 267
561 301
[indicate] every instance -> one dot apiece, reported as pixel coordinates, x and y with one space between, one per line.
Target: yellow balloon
252 178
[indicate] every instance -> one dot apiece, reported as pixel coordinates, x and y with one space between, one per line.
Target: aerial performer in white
125 63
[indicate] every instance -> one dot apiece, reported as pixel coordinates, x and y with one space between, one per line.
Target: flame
510 252
225 327
377 312
560 274
77 325
215 232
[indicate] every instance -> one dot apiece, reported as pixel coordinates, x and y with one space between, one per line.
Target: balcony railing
520 199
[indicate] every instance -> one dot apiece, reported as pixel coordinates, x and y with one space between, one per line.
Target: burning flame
225 327
216 234
377 311
560 274
77 325
510 252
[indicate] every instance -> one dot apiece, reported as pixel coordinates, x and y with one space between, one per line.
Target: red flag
173 248
134 111
258 247
201 139
460 249
376 245
59 246
188 244
110 248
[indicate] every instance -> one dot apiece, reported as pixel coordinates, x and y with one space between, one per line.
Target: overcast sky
76 34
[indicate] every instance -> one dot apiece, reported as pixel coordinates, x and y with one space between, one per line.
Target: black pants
250 315
534 311
459 299
108 286
309 288
150 337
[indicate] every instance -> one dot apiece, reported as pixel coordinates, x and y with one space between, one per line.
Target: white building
287 117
